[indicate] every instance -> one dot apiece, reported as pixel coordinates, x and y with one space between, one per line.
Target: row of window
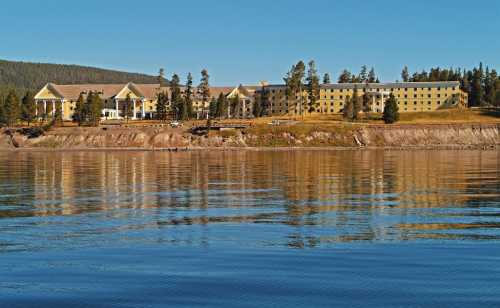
378 89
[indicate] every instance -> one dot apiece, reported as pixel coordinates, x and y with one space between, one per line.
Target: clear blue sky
247 41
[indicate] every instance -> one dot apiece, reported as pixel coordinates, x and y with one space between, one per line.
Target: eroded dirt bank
393 136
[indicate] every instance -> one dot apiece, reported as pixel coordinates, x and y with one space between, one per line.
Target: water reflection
291 198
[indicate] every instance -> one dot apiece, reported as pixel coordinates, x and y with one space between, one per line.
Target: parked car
175 124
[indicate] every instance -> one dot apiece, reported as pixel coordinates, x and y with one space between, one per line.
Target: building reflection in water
319 196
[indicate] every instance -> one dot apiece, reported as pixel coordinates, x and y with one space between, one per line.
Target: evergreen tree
405 75
161 77
95 106
348 110
188 96
28 108
313 88
257 109
264 102
357 105
477 91
161 106
391 110
176 97
372 77
221 106
233 105
345 77
79 110
212 108
204 87
10 110
326 79
294 81
363 74
366 105
128 108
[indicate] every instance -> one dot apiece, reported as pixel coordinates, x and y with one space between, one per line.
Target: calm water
252 229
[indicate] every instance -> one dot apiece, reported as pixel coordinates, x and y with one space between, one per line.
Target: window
439 102
414 95
429 89
429 102
439 88
439 95
415 102
429 95
341 97
406 89
406 95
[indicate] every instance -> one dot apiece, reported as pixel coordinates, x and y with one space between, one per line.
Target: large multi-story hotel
411 97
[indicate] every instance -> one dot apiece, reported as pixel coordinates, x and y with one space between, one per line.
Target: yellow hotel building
411 97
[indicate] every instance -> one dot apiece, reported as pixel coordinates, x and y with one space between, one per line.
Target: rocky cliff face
457 135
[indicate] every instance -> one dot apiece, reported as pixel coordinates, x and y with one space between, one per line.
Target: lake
303 228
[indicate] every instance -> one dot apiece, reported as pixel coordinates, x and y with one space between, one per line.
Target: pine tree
405 75
345 77
204 87
313 88
10 110
257 109
372 77
161 77
212 108
79 110
348 109
363 74
128 109
294 81
264 102
176 97
357 105
28 108
391 110
188 96
477 88
326 79
221 106
94 108
161 106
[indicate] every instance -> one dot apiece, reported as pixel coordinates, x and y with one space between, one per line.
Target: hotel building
411 97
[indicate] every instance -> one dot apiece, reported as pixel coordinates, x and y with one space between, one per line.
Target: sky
249 41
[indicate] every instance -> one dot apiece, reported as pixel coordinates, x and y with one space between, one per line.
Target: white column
62 110
116 108
53 107
36 110
135 111
143 109
44 108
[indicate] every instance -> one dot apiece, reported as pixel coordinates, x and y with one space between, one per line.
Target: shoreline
491 147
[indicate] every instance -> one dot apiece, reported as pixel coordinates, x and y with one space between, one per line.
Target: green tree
326 79
128 108
176 97
161 106
28 108
93 108
345 77
204 86
372 77
221 106
391 110
357 105
363 74
348 110
79 115
212 108
313 88
10 110
294 81
233 105
405 75
161 77
188 96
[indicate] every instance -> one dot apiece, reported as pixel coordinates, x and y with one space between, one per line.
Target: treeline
178 101
482 84
33 76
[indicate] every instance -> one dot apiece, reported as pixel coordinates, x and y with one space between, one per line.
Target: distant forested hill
25 75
